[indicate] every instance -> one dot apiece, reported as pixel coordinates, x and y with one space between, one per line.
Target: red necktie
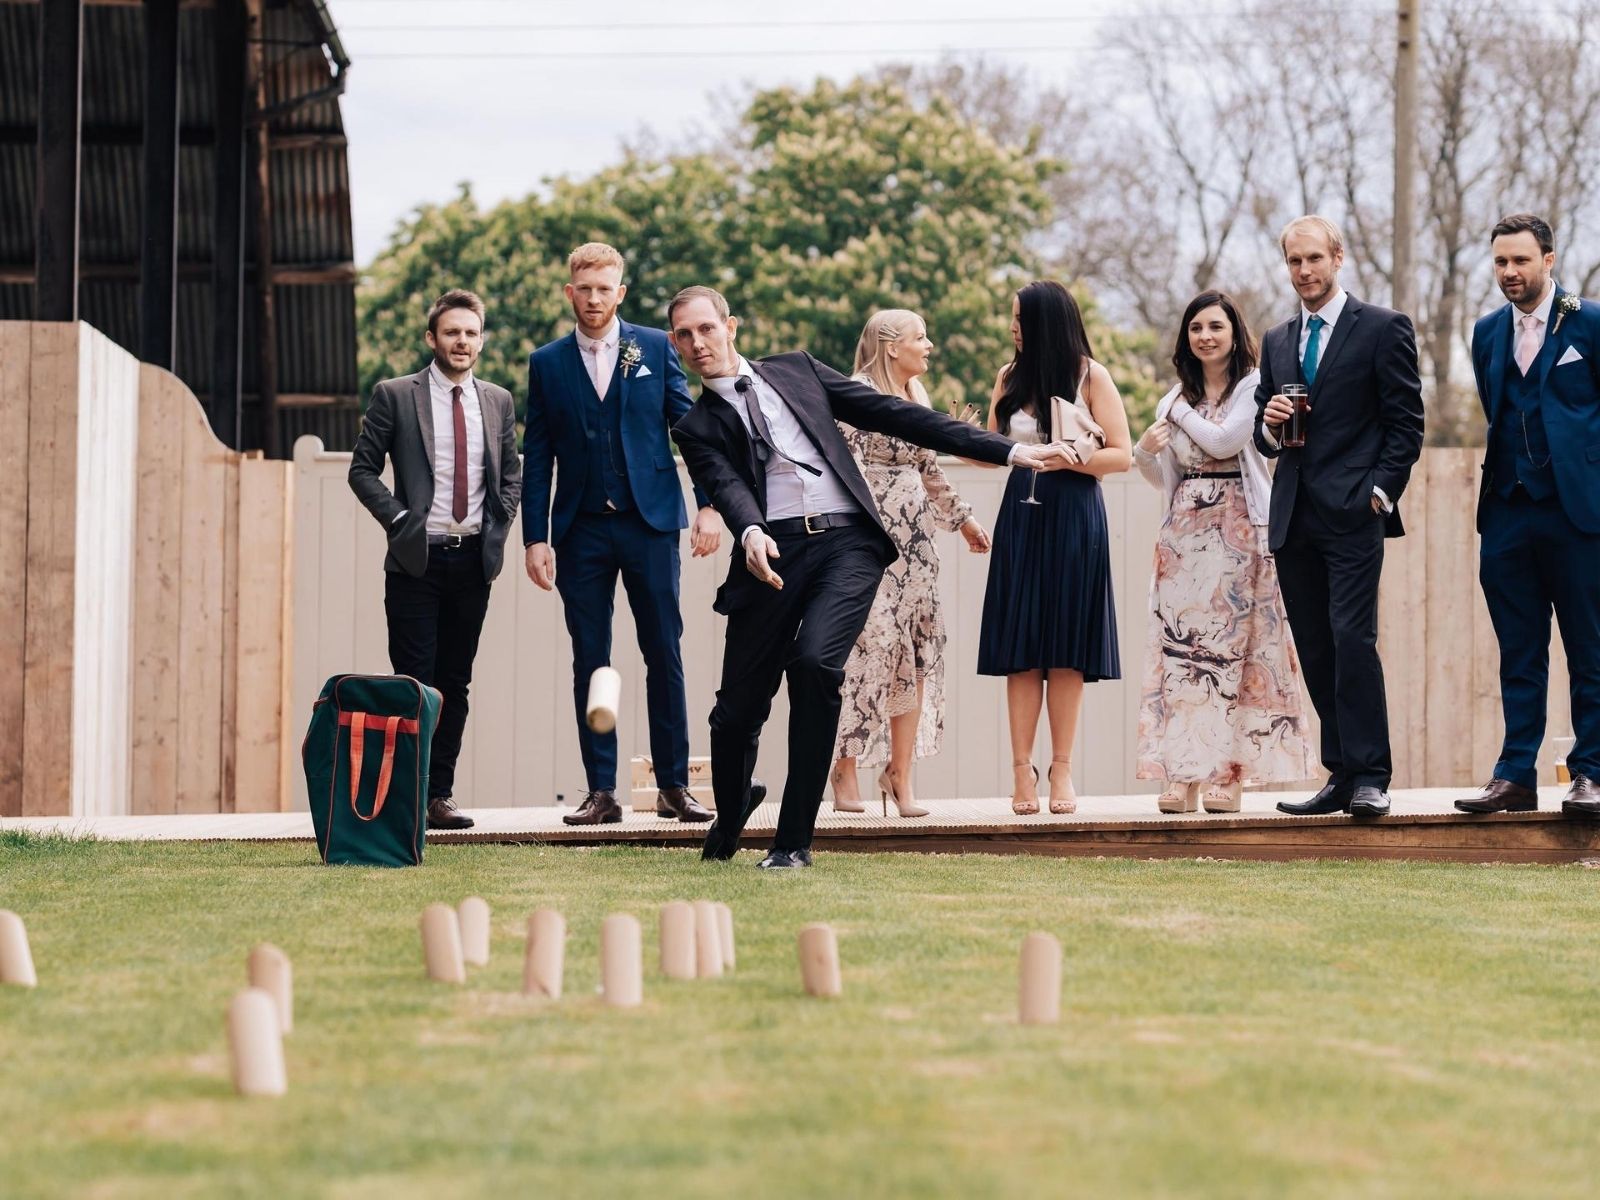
458 504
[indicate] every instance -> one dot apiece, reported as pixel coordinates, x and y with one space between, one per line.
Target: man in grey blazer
452 439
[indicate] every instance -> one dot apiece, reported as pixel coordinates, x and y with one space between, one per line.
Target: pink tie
600 384
1528 342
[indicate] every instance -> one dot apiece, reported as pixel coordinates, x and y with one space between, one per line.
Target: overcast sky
503 93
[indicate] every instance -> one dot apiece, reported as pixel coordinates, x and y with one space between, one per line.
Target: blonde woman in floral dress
893 688
1222 699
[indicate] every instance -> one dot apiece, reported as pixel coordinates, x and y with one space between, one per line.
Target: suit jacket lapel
577 377
1285 353
1550 351
491 441
1343 331
1499 351
801 413
422 393
623 334
738 437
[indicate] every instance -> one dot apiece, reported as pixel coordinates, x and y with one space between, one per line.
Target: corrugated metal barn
160 183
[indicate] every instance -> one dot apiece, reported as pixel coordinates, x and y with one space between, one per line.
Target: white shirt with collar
441 518
791 492
600 355
1540 314
1330 314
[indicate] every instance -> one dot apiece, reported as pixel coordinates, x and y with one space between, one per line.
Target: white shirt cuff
1270 434
1011 454
1383 499
398 517
745 536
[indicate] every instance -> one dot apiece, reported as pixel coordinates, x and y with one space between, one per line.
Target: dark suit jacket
1569 399
1365 425
722 459
654 395
399 425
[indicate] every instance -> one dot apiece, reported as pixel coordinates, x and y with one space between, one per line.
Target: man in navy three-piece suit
1537 363
601 402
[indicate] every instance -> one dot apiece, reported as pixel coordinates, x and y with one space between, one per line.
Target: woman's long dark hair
1055 350
1191 373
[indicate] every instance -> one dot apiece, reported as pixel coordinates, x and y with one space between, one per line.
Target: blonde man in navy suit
600 404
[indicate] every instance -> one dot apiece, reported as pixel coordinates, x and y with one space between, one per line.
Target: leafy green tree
824 205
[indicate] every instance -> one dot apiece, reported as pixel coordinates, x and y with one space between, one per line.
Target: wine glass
1033 479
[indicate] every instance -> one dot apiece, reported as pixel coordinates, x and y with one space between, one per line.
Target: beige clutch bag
1072 424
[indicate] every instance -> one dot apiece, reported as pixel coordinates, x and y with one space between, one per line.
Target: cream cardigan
1232 436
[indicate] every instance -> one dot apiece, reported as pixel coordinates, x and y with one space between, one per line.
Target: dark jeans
1329 583
806 631
1534 561
597 548
434 623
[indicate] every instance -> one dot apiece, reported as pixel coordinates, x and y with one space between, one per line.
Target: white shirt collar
1542 312
440 379
1329 312
725 386
607 340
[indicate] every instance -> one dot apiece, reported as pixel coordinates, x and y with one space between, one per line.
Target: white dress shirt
1540 314
600 355
791 492
441 518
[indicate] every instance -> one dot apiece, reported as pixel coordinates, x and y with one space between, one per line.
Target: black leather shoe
598 808
1500 795
443 814
677 802
1331 799
1582 799
1369 802
719 849
785 860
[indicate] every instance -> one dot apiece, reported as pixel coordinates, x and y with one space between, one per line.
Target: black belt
1213 474
453 541
816 523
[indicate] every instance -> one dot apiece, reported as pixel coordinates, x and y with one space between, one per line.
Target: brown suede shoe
677 802
1500 795
1582 799
598 808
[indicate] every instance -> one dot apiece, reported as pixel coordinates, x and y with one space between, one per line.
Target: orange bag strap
392 727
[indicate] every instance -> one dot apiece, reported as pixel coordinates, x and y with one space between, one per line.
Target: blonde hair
1321 224
884 328
595 254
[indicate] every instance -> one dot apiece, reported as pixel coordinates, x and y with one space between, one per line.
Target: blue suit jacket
654 396
1569 399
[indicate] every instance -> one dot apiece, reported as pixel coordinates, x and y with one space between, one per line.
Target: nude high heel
1068 803
1179 798
1223 798
886 793
839 804
1025 804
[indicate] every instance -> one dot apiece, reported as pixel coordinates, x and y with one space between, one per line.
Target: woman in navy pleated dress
1049 619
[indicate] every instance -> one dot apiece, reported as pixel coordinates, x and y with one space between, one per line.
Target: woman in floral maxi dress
893 691
1222 701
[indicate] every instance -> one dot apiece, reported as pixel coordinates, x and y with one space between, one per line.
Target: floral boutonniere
1566 303
632 354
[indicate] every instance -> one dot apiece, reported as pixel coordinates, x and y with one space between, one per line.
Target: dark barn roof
312 250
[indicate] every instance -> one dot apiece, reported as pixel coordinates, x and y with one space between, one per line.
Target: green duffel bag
366 759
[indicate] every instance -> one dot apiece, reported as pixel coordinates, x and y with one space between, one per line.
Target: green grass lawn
1229 1029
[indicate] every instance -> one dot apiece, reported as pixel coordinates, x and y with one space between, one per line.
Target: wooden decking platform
1422 826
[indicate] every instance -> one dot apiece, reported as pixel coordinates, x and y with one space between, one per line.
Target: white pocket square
641 372
1571 355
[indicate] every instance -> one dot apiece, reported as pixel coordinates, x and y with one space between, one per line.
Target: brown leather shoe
598 808
1582 799
677 802
1500 795
443 814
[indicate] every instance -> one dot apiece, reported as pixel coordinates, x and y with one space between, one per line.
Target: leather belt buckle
807 520
452 541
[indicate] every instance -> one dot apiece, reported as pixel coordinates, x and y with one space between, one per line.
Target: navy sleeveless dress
1049 602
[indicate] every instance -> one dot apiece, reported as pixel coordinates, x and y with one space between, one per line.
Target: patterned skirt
1222 698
